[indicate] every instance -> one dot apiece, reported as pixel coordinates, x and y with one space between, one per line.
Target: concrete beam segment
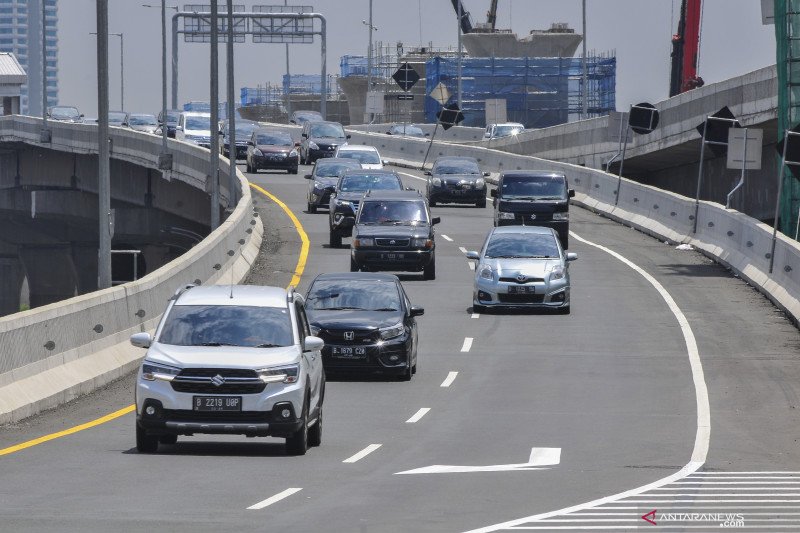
50 271
11 276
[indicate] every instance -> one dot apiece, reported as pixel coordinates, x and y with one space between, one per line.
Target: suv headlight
312 145
480 183
505 215
557 272
422 242
561 216
364 241
393 331
258 153
279 374
153 371
437 182
486 272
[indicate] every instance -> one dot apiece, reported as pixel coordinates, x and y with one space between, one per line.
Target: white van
194 127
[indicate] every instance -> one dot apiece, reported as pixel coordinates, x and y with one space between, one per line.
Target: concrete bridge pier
50 271
84 259
11 277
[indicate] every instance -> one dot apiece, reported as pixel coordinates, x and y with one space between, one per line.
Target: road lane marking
451 377
476 315
471 265
418 415
540 459
303 258
413 176
463 250
703 431
448 239
70 431
467 344
363 453
274 499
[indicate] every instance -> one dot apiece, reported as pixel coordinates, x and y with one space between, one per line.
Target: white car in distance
367 156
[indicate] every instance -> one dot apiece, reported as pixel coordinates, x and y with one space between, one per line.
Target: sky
734 42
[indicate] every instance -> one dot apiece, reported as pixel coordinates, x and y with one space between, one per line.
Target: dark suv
533 198
320 139
367 322
347 195
394 231
323 180
456 180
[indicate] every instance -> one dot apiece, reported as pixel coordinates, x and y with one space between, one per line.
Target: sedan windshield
535 187
366 157
64 112
332 170
275 140
367 182
522 245
326 130
411 131
505 131
143 120
227 325
243 129
456 167
198 123
307 116
356 294
116 118
392 212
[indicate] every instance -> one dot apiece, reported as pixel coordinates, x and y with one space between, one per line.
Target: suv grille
237 381
392 242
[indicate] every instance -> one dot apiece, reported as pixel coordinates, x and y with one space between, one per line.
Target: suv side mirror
347 136
304 135
493 193
141 340
427 173
313 344
473 255
416 310
435 220
572 193
307 176
572 256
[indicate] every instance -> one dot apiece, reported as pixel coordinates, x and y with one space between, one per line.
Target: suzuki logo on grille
533 217
392 242
218 381
521 278
349 335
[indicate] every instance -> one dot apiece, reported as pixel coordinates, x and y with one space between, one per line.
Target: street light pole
44 66
458 87
585 106
213 165
369 60
103 171
121 68
165 159
231 114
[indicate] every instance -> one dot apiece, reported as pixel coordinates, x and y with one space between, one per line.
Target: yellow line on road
102 420
301 261
298 272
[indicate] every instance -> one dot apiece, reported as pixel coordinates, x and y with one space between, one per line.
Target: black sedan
456 180
366 322
272 150
244 130
323 180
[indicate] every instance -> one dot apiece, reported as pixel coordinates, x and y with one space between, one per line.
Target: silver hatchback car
522 266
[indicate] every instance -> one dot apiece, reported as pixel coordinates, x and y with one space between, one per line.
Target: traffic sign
406 77
440 93
450 116
643 118
744 148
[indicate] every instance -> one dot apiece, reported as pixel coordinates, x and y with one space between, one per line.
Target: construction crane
685 49
466 21
491 15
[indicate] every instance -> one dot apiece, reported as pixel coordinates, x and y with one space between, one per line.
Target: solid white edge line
274 499
412 176
418 415
702 436
451 377
445 237
467 344
363 453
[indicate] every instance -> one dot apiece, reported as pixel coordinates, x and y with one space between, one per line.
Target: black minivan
533 198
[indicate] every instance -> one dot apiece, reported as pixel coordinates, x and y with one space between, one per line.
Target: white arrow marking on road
540 458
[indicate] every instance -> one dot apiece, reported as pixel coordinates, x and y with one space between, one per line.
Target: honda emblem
349 335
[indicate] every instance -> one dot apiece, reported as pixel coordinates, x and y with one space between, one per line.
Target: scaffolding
304 90
787 37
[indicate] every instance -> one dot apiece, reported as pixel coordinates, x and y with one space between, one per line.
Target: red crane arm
691 39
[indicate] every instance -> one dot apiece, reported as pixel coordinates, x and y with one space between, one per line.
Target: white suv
231 360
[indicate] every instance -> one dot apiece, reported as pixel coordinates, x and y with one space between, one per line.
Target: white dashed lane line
471 265
274 499
476 315
448 239
363 453
451 377
467 344
418 415
463 250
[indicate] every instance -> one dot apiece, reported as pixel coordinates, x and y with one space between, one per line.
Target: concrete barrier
52 354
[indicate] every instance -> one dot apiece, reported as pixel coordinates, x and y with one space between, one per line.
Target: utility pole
105 225
458 90
585 109
213 164
288 78
369 60
231 114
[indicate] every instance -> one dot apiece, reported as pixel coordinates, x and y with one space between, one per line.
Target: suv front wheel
145 443
430 270
297 444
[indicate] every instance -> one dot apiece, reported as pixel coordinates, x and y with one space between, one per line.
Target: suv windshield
198 123
456 167
392 212
306 116
326 130
227 325
522 245
504 131
535 187
116 118
143 120
367 157
242 129
64 112
367 182
332 170
367 295
275 140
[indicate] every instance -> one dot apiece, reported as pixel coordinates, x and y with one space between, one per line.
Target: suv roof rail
182 289
290 294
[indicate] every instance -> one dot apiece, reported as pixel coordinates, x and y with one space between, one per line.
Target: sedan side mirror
427 173
487 174
141 340
313 344
347 136
385 161
416 310
388 133
493 193
572 193
304 135
473 255
435 220
427 135
297 145
250 143
572 256
307 176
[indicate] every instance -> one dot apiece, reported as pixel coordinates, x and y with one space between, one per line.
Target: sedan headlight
422 242
312 145
505 215
258 153
486 272
343 202
561 216
314 329
153 371
393 331
293 153
279 374
480 183
437 182
364 241
557 272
